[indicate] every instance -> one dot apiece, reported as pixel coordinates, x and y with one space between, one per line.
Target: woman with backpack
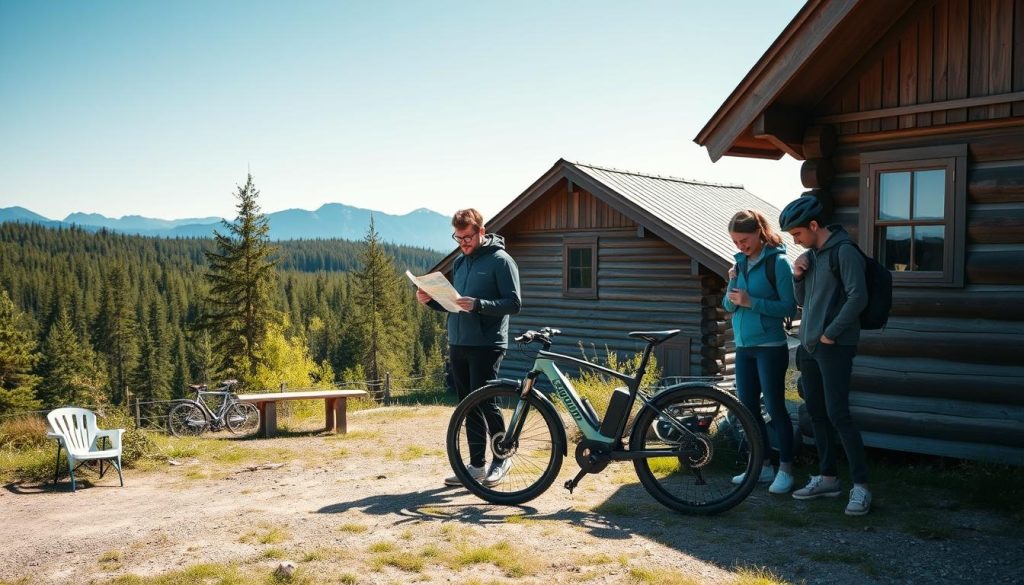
760 297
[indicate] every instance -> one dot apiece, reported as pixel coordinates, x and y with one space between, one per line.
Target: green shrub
135 444
23 432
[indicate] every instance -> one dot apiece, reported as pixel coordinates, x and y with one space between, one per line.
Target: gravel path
342 495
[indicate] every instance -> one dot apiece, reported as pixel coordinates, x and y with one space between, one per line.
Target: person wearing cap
829 332
488 279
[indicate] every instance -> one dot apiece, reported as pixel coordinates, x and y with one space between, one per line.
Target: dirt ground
369 507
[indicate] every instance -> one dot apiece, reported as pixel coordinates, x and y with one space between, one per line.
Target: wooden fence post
138 416
387 387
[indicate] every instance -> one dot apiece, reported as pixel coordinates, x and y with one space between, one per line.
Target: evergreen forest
91 318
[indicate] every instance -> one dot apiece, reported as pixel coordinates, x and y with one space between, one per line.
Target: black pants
471 368
825 375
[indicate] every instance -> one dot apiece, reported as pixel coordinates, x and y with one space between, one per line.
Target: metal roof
698 210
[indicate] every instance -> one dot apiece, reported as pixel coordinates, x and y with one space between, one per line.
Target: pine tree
116 331
242 275
17 358
381 319
152 379
68 368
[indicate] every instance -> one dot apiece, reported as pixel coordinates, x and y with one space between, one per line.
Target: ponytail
751 221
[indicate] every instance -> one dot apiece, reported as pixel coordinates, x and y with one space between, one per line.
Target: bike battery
618 410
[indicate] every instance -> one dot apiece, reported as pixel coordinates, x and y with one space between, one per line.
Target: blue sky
160 108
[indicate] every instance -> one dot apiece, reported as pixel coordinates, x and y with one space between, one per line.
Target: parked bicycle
687 441
194 417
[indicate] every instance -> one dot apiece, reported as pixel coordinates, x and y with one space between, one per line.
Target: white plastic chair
76 432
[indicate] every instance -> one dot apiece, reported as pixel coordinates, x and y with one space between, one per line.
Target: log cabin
602 252
909 117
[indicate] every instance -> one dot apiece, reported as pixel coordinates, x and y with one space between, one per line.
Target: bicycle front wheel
242 418
709 439
187 420
517 470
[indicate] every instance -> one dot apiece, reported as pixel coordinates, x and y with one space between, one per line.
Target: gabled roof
822 43
691 215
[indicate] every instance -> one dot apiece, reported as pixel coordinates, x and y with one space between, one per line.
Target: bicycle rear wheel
531 462
187 420
242 418
710 439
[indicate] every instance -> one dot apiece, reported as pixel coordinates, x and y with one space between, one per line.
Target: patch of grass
110 560
618 509
381 546
274 553
348 579
644 575
411 452
595 559
324 554
353 528
355 436
267 534
514 562
786 516
435 511
197 574
757 576
404 561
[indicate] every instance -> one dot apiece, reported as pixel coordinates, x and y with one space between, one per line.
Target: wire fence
152 414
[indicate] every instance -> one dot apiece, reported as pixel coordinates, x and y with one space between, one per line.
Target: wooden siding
946 371
955 50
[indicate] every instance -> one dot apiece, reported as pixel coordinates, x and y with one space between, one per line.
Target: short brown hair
465 218
751 221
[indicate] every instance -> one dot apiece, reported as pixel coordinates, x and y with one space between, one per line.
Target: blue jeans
825 376
762 370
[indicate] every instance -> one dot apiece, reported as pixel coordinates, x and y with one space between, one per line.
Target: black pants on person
471 367
825 376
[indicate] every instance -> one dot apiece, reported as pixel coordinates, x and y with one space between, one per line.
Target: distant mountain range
422 228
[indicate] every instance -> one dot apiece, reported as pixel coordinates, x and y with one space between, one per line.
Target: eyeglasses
465 239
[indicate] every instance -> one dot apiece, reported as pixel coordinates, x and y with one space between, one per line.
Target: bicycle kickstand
572 483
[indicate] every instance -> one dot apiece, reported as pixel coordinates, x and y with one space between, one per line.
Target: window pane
580 268
894 196
894 253
575 278
929 245
930 194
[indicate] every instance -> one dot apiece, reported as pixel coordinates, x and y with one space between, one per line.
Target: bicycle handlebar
544 336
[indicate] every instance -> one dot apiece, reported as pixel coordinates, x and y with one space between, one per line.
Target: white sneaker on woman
783 483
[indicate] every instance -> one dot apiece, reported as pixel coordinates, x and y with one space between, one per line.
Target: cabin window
912 213
579 273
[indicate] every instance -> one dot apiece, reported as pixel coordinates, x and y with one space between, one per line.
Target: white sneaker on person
767 475
817 487
498 470
476 473
860 501
783 483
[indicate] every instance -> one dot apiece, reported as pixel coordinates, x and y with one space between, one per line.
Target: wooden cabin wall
954 50
642 283
946 375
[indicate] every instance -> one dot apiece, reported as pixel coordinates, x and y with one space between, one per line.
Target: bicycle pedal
570 485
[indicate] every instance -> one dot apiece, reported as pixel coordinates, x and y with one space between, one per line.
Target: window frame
951 158
579 243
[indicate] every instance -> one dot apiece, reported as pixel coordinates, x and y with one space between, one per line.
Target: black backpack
879 283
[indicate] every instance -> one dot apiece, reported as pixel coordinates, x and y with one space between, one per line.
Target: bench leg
268 420
330 404
339 416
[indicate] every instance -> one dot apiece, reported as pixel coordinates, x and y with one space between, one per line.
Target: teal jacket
490 276
761 322
829 310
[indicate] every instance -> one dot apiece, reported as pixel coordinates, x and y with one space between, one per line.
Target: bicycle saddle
654 337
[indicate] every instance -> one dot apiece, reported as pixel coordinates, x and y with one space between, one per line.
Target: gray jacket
827 309
491 276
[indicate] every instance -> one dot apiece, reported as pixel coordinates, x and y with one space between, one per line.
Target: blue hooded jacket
761 322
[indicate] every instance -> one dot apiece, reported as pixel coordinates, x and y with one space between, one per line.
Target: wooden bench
334 407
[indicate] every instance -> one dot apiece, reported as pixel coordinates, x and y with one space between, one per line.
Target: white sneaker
767 474
860 501
783 483
476 473
498 470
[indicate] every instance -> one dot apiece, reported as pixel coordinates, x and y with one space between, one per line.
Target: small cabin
602 252
909 117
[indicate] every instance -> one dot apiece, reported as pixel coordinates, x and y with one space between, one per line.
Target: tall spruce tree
17 358
242 275
152 379
380 318
116 331
68 368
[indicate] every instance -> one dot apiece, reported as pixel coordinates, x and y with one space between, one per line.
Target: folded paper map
439 289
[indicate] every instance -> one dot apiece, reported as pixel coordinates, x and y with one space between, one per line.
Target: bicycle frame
216 417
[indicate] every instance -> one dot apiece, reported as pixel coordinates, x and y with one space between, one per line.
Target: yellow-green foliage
23 432
598 387
287 361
